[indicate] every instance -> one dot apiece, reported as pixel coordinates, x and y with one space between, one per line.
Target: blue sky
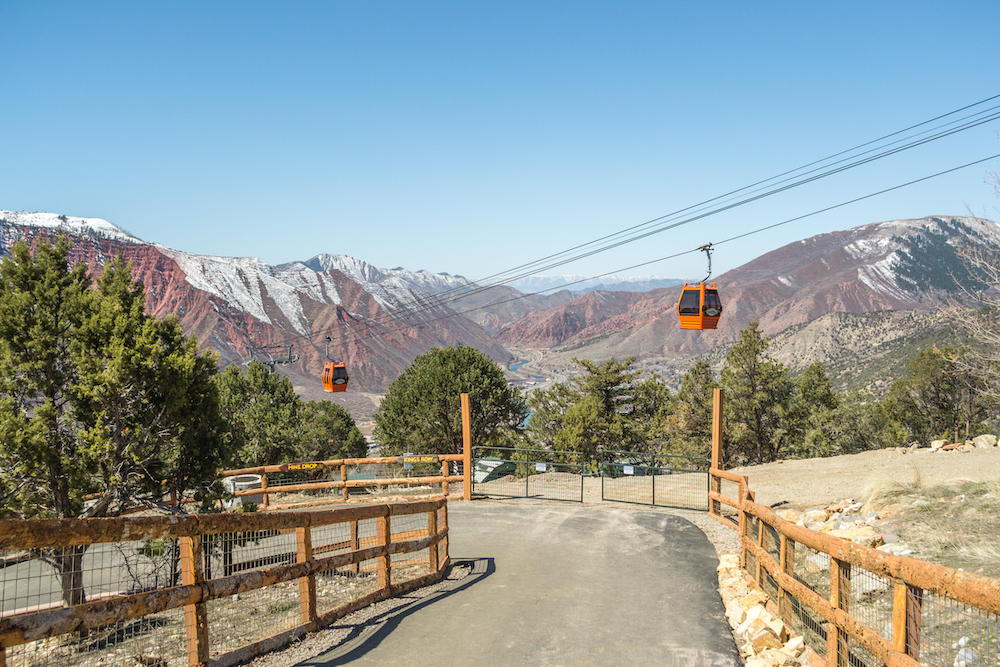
471 138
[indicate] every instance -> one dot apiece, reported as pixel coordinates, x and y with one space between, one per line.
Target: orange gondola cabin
335 376
699 306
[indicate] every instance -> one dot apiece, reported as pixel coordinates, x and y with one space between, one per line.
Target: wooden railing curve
195 590
911 579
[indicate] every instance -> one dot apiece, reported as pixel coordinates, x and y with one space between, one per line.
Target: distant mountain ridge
378 320
858 270
580 285
847 298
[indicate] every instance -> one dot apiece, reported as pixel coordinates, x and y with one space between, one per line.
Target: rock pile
847 520
764 640
937 446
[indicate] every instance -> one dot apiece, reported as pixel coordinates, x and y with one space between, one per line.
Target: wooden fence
268 489
345 484
872 608
197 586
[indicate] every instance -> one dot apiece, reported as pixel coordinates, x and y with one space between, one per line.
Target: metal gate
660 480
527 473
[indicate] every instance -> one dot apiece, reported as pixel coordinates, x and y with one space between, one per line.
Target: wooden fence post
716 483
307 584
355 545
837 653
443 525
345 494
432 529
466 448
444 482
263 488
195 615
384 562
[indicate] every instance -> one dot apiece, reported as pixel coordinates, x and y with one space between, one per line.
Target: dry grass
955 524
882 488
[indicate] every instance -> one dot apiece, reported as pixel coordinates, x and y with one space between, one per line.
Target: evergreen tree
262 411
421 411
96 396
328 432
757 395
688 428
941 397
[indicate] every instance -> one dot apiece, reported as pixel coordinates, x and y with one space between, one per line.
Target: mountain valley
860 300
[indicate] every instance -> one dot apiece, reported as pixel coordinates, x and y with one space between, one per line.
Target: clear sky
472 137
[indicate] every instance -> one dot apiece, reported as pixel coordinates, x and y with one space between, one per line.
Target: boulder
864 535
985 441
938 444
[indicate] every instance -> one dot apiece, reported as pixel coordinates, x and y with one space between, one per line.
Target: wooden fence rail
266 490
911 581
197 588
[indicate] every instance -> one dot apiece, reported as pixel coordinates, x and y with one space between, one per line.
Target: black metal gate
507 472
650 479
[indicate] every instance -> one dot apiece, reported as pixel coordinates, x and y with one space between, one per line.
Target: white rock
966 658
985 441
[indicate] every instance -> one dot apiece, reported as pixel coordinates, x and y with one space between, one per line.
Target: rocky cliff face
378 321
860 270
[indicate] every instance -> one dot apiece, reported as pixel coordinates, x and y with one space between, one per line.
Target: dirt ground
808 483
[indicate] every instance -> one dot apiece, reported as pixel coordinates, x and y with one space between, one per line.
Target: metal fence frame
527 464
657 464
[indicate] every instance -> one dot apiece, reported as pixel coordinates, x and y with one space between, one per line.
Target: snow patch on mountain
363 272
72 225
244 282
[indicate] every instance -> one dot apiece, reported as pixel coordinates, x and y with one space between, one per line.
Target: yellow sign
303 466
422 458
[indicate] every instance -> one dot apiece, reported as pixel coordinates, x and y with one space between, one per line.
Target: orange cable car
334 373
699 306
335 376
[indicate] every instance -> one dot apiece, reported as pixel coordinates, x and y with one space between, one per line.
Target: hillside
236 304
806 289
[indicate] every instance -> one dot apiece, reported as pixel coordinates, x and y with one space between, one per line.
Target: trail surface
560 584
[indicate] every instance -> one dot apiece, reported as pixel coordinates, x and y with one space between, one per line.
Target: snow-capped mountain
582 284
378 320
63 223
895 265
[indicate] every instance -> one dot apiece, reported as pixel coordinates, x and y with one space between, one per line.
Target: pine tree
421 411
757 394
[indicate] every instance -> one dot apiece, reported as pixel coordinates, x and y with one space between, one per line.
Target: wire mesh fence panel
555 481
262 612
376 472
854 655
812 568
156 639
771 542
654 479
528 473
870 599
768 583
336 588
251 616
56 577
949 632
412 565
682 488
805 622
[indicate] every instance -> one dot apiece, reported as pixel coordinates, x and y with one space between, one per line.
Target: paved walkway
558 585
